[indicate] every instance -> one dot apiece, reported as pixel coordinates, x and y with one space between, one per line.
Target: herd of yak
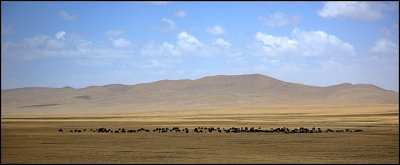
212 129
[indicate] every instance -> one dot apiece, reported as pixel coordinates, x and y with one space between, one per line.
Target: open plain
37 140
199 82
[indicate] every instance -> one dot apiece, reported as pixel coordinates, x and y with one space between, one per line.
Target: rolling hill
221 90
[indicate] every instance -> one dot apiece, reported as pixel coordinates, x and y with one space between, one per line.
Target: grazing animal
211 129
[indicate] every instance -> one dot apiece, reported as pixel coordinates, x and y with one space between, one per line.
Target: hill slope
238 90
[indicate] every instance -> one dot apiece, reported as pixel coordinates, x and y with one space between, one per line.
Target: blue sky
80 44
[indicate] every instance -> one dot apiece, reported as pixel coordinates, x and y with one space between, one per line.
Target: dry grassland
36 140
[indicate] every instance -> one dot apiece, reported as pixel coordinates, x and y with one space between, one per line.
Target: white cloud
181 14
272 42
122 43
153 63
276 45
319 43
185 37
216 30
66 46
119 42
189 45
171 26
391 32
158 2
222 43
187 42
165 49
279 19
114 32
386 48
158 63
304 43
169 49
355 10
60 35
67 16
164 55
55 44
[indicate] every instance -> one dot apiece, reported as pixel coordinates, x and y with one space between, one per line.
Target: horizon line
255 74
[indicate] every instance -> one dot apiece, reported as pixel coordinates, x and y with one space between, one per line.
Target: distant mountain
232 90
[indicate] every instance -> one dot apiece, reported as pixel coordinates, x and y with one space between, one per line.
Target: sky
80 44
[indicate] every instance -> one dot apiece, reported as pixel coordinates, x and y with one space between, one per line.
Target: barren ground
35 139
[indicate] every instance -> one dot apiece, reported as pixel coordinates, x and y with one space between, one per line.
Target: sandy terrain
34 139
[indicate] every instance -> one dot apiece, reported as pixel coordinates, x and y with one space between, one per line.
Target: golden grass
36 140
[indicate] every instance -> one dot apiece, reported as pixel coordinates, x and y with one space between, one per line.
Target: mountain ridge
224 90
206 77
